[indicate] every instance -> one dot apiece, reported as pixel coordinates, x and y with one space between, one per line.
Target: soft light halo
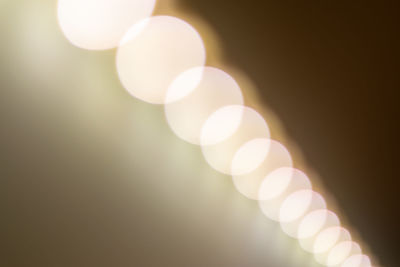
188 108
154 52
100 24
277 157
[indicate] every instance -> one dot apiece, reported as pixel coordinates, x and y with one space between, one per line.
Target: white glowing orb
296 207
340 252
250 156
154 53
358 260
189 107
277 157
100 24
232 133
313 222
221 125
328 237
277 186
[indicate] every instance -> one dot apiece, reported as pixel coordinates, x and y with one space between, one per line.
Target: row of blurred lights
161 60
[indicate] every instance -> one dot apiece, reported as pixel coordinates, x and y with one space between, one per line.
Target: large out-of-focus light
277 186
312 224
223 126
358 260
327 238
100 24
250 156
161 60
295 207
189 107
154 52
340 252
277 157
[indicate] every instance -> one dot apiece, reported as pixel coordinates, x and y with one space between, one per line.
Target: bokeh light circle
277 186
226 131
357 260
154 52
314 221
296 207
328 237
188 107
277 157
100 24
341 251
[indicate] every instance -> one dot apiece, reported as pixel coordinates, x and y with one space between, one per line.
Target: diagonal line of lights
161 60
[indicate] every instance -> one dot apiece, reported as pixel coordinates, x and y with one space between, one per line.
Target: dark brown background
330 70
91 177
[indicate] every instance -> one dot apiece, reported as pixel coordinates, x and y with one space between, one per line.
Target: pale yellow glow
277 157
295 207
189 107
328 237
154 53
224 123
277 186
100 24
313 222
340 252
358 260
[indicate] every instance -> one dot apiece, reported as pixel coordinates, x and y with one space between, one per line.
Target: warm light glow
250 156
295 207
161 60
189 107
100 24
313 222
154 52
277 186
327 238
341 252
357 261
277 157
232 133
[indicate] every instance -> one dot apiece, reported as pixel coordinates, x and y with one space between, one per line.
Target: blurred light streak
161 60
